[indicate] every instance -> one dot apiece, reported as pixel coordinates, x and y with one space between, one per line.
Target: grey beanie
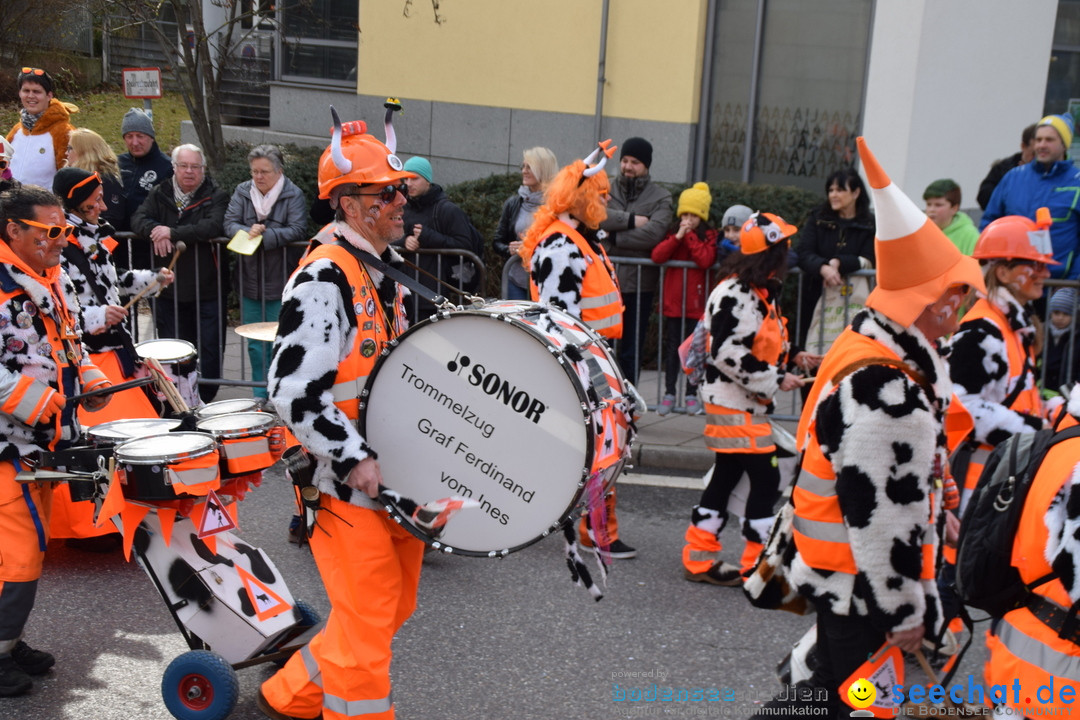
136 120
736 216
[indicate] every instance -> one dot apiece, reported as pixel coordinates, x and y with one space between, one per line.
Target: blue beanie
420 166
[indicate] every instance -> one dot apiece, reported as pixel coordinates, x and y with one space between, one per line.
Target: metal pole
601 69
701 140
751 108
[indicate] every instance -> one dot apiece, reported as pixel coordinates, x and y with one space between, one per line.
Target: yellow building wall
539 55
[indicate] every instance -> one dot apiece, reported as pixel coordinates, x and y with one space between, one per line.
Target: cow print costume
316 329
979 366
104 280
883 434
558 269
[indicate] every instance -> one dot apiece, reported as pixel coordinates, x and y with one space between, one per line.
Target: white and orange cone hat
916 262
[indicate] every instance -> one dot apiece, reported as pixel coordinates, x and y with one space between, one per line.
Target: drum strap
368 259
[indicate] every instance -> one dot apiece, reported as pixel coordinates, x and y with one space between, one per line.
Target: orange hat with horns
354 156
916 262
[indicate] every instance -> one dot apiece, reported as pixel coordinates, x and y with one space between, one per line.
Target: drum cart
231 606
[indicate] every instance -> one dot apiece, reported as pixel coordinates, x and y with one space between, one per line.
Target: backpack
985 576
461 273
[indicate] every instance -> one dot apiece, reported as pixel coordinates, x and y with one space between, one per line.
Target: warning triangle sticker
266 602
215 517
869 688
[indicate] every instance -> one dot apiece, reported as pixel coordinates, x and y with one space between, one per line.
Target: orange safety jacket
736 431
1021 367
1022 647
353 371
601 301
820 534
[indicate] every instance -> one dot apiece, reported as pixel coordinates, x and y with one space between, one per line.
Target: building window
808 98
318 41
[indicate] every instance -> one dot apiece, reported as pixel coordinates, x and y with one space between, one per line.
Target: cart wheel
200 685
309 616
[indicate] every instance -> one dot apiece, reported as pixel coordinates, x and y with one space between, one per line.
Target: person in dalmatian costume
867 499
42 362
337 314
106 335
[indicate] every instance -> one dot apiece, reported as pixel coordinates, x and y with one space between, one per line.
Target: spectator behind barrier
538 167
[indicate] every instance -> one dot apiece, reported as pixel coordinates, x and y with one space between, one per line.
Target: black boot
13 679
32 662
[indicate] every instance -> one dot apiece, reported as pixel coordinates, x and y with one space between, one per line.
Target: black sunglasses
386 194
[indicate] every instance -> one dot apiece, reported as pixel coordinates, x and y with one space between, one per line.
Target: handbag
766 586
834 310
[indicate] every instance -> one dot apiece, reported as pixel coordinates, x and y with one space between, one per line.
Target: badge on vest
367 348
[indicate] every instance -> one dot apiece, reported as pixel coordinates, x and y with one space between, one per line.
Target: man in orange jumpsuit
337 313
41 362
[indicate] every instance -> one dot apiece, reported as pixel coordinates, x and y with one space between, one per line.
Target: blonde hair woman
538 167
88 151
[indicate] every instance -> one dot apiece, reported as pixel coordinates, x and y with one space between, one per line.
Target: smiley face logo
862 693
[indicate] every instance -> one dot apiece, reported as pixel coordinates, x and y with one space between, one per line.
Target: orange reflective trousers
370 566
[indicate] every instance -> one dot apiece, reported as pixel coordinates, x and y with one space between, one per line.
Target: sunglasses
32 71
1033 264
52 231
387 193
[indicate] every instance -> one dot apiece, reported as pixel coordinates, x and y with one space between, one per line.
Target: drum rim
267 422
566 366
165 458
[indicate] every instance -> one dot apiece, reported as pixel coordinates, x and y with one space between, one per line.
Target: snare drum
243 440
180 362
512 404
164 467
228 407
108 434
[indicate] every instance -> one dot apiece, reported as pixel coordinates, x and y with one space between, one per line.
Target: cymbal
265 331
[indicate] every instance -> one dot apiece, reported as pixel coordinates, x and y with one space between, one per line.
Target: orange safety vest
1022 647
1028 401
820 534
601 301
353 371
737 431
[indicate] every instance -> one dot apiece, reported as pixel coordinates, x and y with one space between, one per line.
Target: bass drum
512 405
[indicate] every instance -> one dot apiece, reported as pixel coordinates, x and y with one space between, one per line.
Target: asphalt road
510 638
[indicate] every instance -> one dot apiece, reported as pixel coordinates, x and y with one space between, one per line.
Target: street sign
142 82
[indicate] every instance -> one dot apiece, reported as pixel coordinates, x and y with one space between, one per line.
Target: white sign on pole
142 82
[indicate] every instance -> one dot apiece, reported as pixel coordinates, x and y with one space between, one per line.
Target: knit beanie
1064 300
74 186
736 216
136 120
1064 126
696 200
420 166
638 148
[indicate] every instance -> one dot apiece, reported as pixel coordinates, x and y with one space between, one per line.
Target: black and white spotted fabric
1063 522
883 435
979 365
90 239
316 330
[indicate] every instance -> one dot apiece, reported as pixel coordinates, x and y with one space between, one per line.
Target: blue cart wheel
309 616
200 685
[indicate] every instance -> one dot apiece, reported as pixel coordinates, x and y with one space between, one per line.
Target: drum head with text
477 405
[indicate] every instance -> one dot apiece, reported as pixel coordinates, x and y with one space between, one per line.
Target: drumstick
181 246
166 386
111 389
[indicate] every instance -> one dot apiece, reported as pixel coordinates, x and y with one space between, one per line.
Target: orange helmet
1015 237
356 157
762 231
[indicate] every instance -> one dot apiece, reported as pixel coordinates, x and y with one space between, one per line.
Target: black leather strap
1061 620
368 259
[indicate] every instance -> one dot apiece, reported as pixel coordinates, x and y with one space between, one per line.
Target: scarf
182 199
28 120
263 204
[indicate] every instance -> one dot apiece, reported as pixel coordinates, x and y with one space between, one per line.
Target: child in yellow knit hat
692 240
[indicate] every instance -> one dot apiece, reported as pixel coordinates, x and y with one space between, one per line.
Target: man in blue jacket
1052 181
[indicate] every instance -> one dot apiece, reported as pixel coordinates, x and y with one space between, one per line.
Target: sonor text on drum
520 401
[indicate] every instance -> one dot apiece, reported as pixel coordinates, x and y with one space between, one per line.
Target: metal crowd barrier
227 293
792 308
